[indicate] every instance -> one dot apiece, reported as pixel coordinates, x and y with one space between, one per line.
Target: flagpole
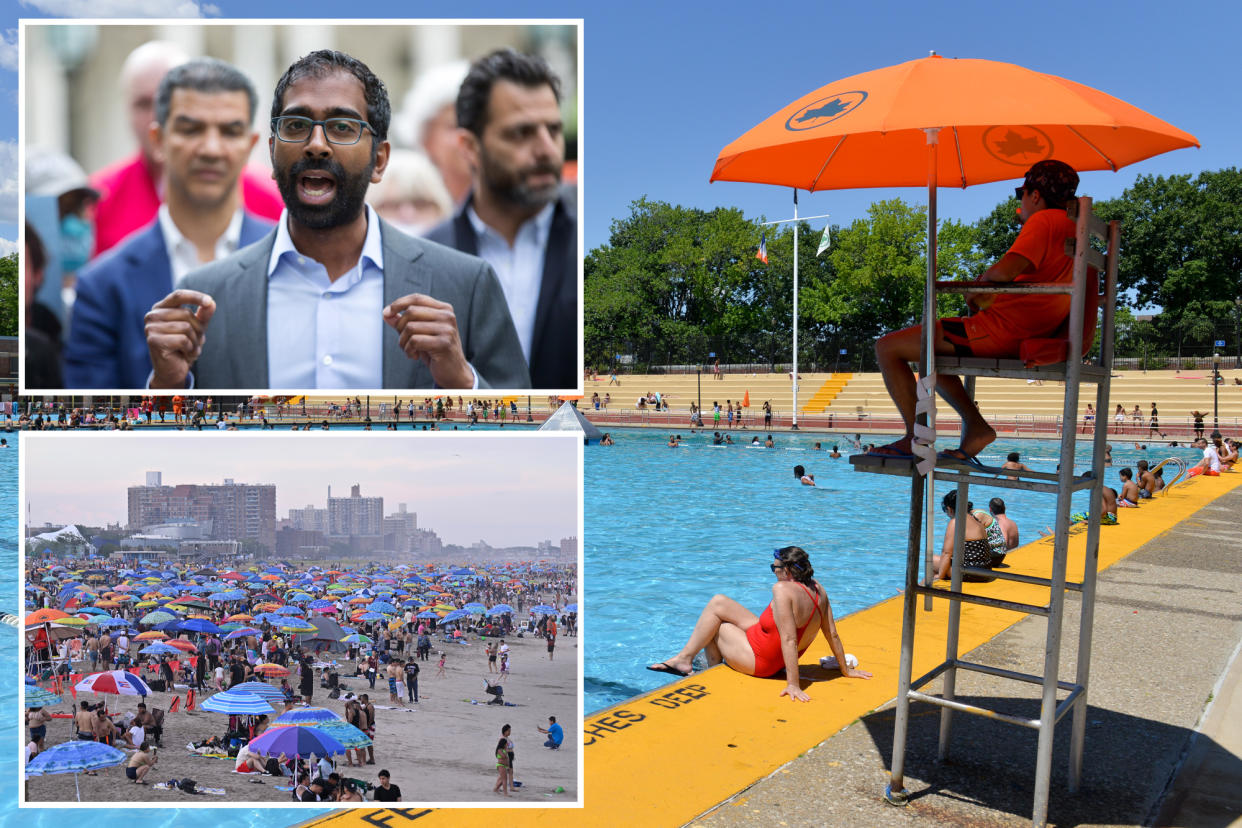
783 221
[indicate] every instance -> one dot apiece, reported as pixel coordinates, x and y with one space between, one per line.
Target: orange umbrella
271 670
882 129
182 644
40 616
995 120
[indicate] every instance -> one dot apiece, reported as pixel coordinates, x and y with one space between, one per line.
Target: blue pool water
665 529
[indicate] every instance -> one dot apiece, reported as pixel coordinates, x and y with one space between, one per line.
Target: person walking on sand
502 768
491 656
440 667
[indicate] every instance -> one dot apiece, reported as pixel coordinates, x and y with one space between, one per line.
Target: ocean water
665 529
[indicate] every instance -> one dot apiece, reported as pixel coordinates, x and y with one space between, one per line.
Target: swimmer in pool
835 454
764 645
802 477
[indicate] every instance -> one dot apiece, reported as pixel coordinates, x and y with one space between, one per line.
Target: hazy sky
507 490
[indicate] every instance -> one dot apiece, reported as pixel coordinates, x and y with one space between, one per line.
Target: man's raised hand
427 330
176 328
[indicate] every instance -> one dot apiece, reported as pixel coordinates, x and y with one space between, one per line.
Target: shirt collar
372 245
174 239
541 222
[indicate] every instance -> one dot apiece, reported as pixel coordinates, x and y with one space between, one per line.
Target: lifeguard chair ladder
1094 287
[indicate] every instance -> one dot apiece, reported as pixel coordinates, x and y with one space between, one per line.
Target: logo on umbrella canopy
1021 146
825 110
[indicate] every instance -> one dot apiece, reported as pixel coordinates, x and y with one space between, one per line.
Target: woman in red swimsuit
764 645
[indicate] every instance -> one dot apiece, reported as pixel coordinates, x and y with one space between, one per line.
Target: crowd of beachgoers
343 683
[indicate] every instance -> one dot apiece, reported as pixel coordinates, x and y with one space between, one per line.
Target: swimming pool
665 529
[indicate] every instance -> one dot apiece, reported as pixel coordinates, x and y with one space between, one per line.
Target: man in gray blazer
310 305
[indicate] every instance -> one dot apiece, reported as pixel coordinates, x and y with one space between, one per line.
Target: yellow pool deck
666 757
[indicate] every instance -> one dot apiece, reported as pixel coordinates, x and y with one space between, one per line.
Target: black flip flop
664 667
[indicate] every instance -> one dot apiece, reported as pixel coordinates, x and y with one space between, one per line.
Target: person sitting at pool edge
1001 322
975 551
762 646
1129 489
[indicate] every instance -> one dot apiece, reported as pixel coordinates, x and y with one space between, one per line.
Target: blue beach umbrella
571 608
75 757
235 701
500 609
160 648
307 715
544 609
455 614
201 625
242 633
342 731
262 690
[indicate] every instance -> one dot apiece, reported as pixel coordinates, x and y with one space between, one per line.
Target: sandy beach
439 750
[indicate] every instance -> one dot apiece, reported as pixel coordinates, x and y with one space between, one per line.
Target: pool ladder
1092 271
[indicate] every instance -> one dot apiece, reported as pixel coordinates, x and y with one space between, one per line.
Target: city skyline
506 490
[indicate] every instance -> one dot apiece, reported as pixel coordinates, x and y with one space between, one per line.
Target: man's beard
347 201
510 186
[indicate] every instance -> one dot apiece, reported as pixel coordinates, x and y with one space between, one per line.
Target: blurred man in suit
132 189
202 135
518 217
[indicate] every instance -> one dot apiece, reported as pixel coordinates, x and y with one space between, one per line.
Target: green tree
1182 249
674 284
8 295
998 230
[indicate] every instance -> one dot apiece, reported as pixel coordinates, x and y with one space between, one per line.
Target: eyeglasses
295 129
775 566
1018 192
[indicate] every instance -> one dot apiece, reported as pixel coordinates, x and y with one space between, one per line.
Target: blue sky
668 85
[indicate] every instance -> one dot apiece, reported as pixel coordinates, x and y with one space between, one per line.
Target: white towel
830 662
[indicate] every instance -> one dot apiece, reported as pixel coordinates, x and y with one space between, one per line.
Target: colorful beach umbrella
295 740
271 670
113 681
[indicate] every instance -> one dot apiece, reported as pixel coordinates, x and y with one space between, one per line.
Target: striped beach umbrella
264 691
271 670
307 715
236 701
242 632
357 638
113 681
38 697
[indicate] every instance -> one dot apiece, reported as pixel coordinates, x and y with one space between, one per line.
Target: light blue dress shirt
320 333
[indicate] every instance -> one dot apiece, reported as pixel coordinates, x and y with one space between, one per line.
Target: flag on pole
824 241
762 255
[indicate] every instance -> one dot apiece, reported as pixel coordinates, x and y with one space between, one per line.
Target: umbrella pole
78 790
794 424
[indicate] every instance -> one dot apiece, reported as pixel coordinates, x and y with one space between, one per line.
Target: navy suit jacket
554 346
107 343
